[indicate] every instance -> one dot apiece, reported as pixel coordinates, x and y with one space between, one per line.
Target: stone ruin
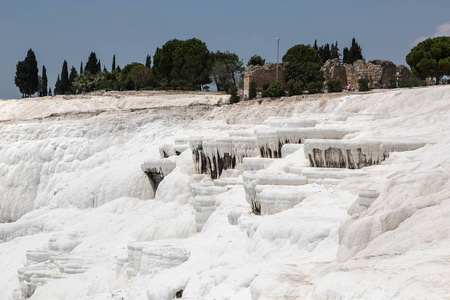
377 71
261 75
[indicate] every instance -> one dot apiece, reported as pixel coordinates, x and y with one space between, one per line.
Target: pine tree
26 78
64 83
113 64
81 68
44 81
148 61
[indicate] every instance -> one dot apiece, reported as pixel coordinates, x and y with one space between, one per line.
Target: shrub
403 83
234 98
252 90
226 86
392 82
206 87
363 84
294 88
334 86
275 89
315 87
265 86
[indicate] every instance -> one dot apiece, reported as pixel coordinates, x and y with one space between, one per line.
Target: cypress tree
44 81
57 86
50 91
93 65
26 78
81 68
73 75
315 46
353 54
113 64
148 61
64 84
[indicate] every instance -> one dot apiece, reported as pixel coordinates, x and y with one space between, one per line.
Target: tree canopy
256 60
353 54
185 63
430 58
226 70
302 53
303 65
93 65
26 78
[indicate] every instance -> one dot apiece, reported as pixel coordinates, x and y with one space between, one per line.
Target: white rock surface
71 184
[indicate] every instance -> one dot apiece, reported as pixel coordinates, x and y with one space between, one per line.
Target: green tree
302 53
234 98
141 76
334 52
252 90
192 62
226 69
363 84
148 61
127 69
58 86
294 88
113 67
275 89
44 82
64 83
353 54
93 65
163 60
73 75
256 60
81 68
315 87
26 78
430 58
334 86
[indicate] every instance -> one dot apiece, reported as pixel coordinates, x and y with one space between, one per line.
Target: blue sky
70 30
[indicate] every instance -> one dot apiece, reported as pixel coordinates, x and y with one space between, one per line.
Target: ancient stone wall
377 71
261 75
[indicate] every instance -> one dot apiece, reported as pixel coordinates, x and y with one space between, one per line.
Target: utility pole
278 51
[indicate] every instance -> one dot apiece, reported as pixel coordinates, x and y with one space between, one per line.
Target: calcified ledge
214 155
157 169
271 140
353 154
252 180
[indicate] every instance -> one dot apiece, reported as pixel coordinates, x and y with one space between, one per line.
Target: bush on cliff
294 88
234 98
334 86
252 90
363 84
315 87
275 89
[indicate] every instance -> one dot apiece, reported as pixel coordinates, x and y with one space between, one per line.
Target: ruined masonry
377 71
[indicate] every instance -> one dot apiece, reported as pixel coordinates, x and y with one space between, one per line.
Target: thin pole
278 51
